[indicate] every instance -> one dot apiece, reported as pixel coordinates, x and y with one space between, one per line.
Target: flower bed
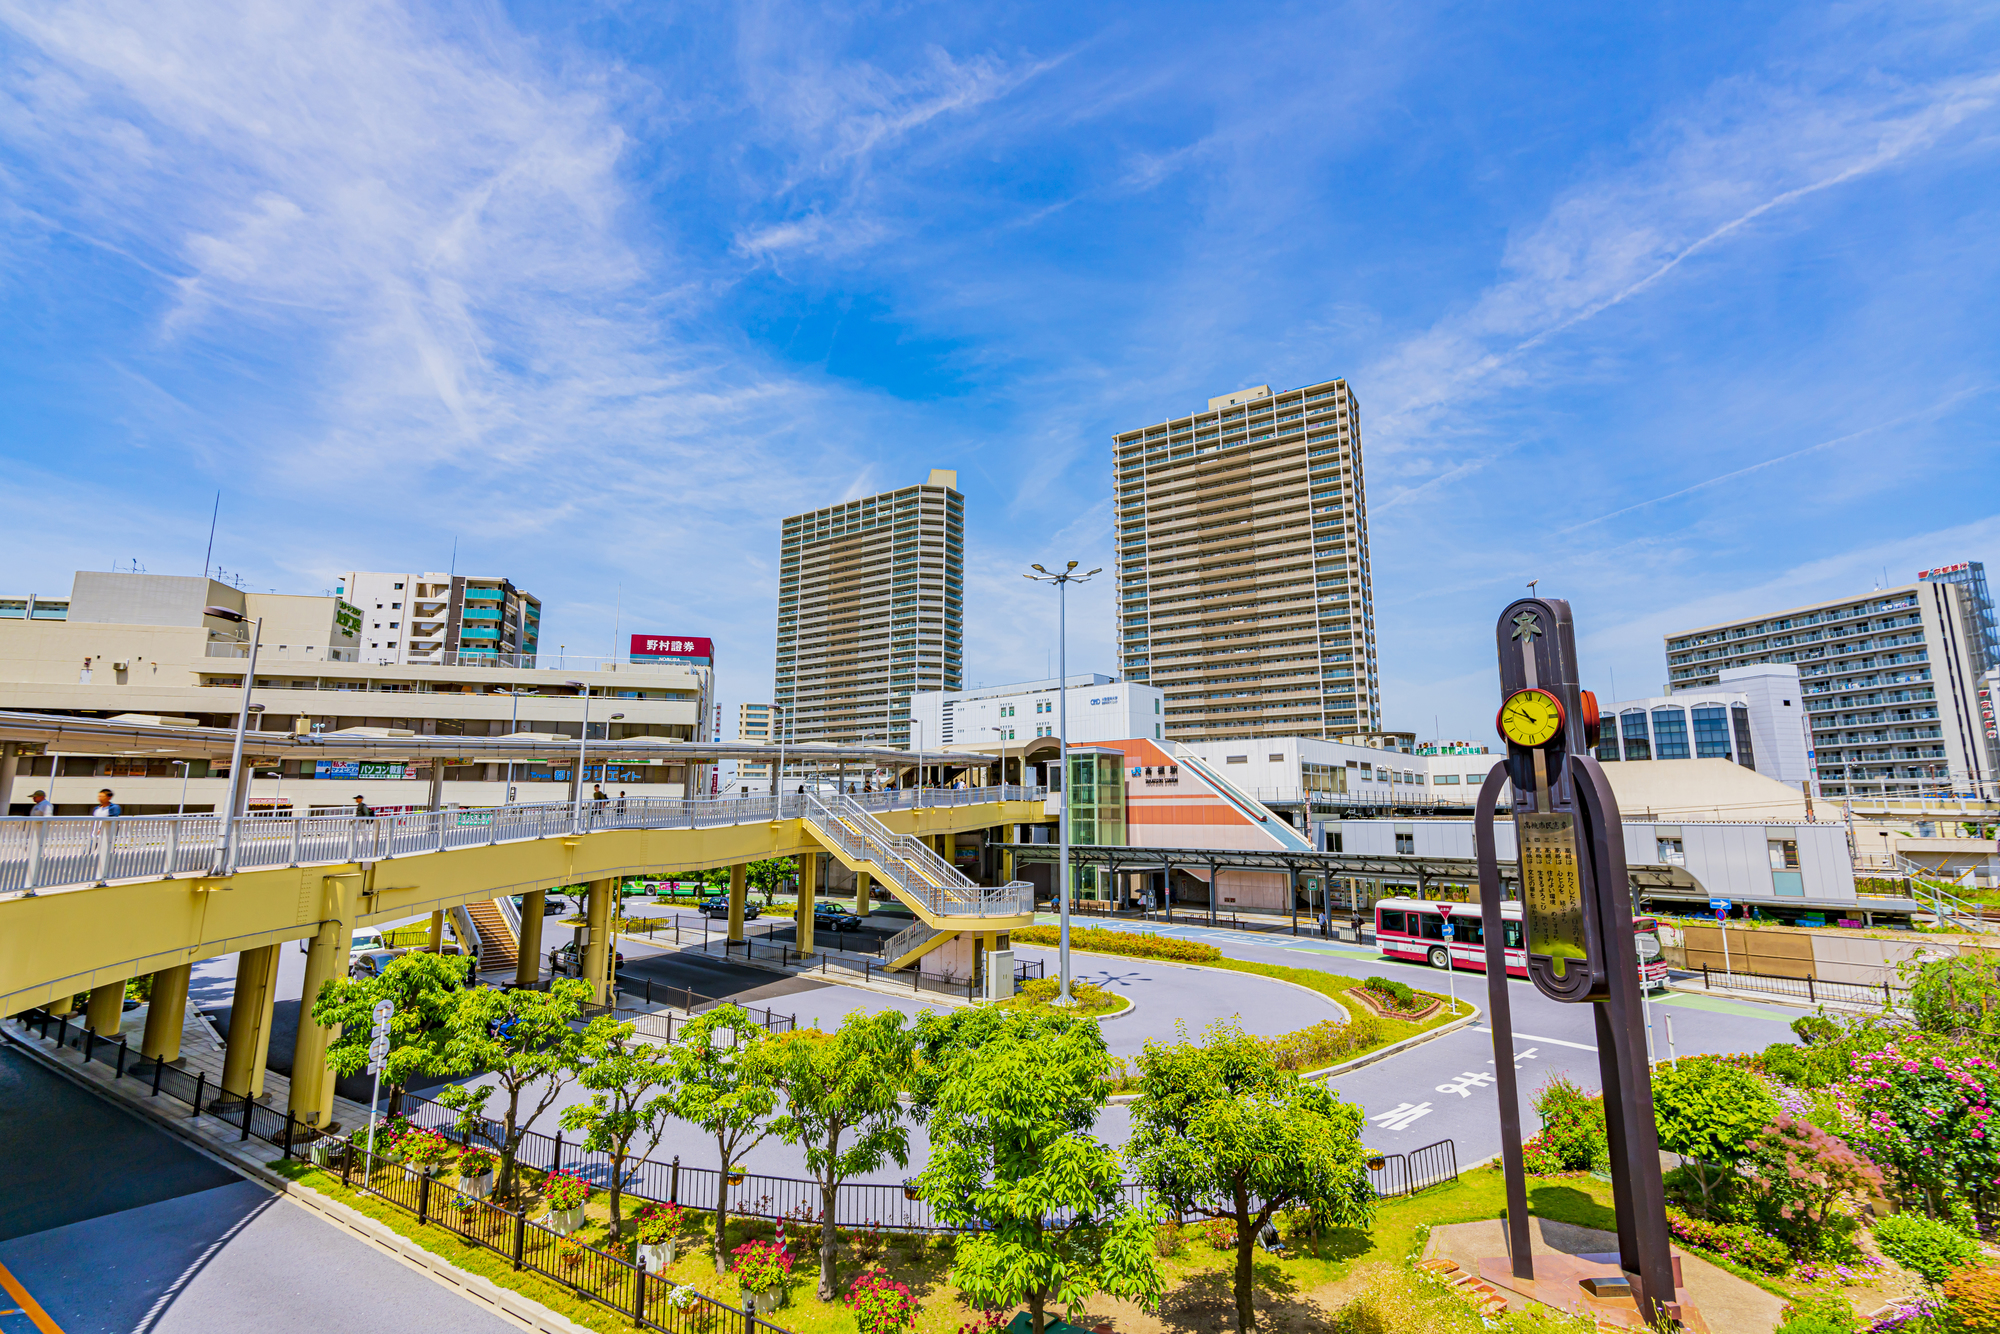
1393 1000
1743 1245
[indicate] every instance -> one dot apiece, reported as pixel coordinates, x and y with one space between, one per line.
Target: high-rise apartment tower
870 609
1243 583
753 723
1890 681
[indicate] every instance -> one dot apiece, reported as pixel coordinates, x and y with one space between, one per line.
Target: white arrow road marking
1401 1117
1526 1054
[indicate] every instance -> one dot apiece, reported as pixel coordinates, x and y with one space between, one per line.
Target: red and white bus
1414 929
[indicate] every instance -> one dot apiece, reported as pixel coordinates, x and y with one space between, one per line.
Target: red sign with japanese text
672 646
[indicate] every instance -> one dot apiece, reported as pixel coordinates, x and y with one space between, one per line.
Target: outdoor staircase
931 887
1927 887
483 920
911 944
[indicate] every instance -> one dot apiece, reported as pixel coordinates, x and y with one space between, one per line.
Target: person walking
42 804
361 811
106 807
621 803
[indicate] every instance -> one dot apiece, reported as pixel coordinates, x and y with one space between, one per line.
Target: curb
517 1307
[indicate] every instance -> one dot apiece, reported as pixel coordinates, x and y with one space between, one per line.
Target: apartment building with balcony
448 619
753 723
1752 716
1889 682
870 611
1244 589
139 646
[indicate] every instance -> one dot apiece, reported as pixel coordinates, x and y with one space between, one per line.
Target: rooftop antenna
210 553
454 558
617 618
1531 586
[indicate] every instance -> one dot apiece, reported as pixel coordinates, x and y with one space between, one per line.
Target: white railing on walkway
51 851
911 865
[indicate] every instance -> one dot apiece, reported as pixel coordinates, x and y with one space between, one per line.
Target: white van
366 938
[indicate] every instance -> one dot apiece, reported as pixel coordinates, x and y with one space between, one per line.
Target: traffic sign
1450 929
1720 905
1648 947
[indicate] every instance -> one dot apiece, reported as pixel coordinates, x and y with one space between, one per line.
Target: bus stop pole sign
1576 918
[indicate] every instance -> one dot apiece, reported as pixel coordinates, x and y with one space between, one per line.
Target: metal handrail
44 852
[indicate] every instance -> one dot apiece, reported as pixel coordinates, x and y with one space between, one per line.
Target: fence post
1886 1001
347 1162
1810 995
89 1043
1706 985
749 1314
556 1165
158 1065
639 1295
423 1198
674 1182
520 1235
200 1081
247 1105
123 1047
291 1132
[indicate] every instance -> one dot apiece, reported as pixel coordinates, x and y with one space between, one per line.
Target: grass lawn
1197 1274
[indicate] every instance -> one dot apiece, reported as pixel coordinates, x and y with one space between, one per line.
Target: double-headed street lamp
236 784
1062 582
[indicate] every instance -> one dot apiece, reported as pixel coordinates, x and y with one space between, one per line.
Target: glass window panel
1632 726
1711 733
1670 735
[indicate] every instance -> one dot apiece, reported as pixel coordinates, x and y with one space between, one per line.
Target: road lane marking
1402 1117
28 1304
1537 1037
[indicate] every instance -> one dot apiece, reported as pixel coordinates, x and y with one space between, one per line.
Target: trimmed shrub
1740 1245
1931 1248
1325 1042
1572 1133
1828 1313
1131 944
1972 1302
1396 993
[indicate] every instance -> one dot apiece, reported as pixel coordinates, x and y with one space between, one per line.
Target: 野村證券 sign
672 646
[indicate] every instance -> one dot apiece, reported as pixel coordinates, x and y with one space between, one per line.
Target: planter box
564 1221
767 1301
657 1258
478 1187
321 1151
411 1171
1375 1005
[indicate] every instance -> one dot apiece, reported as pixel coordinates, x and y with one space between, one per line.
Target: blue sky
1685 311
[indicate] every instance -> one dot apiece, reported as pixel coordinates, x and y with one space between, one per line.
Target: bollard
158 1065
123 1047
200 1084
247 1105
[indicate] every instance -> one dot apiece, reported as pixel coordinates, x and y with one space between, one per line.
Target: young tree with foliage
524 1038
1958 997
620 1073
1804 1171
1220 1131
840 1084
1709 1113
424 988
1010 1098
725 1081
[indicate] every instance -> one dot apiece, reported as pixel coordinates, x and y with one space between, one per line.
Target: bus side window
1392 922
1471 931
1433 926
1513 935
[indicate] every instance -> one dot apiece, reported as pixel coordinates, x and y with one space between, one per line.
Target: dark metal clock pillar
1576 925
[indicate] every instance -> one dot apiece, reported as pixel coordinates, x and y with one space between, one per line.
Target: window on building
1784 854
1236 759
1711 733
1671 852
1156 706
1406 845
398 586
1670 734
1445 780
1632 727
1739 721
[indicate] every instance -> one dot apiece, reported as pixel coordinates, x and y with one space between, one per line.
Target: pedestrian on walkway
621 803
42 804
106 807
361 811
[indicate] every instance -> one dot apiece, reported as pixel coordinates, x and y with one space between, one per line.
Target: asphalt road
114 1226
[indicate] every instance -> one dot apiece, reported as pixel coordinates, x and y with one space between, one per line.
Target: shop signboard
357 769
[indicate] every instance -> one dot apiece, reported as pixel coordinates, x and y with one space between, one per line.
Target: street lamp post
1062 582
1001 732
582 741
514 725
237 787
181 809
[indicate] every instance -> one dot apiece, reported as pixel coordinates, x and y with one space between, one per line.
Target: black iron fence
1812 990
591 1273
872 1205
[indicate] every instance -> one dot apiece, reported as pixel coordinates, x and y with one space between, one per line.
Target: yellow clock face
1531 718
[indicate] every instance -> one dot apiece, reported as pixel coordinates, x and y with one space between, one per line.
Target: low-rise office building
1100 708
1753 716
440 618
137 644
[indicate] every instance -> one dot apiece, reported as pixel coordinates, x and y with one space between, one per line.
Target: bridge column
10 764
326 959
597 947
863 899
437 931
739 889
808 892
166 1012
528 971
61 1005
106 1007
250 1024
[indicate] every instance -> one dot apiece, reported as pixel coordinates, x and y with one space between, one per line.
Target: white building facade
443 619
1101 708
1753 716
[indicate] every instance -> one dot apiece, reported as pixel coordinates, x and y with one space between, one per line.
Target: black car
826 917
551 905
719 907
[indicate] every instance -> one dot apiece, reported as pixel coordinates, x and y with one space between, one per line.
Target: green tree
1010 1098
840 1084
725 1081
1709 1113
425 988
767 877
1958 997
526 1040
1221 1132
620 1073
